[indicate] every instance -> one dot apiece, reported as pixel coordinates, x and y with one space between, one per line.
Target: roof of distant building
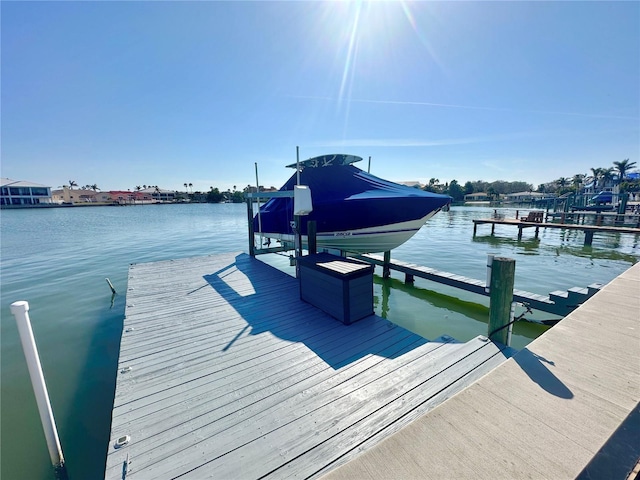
6 182
411 183
525 194
153 190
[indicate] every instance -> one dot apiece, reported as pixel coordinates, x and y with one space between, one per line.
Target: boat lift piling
501 298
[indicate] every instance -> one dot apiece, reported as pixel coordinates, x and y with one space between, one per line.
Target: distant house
479 197
523 197
160 195
20 193
127 197
68 195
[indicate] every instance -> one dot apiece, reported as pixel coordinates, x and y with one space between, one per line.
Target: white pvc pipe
297 165
512 316
20 311
258 192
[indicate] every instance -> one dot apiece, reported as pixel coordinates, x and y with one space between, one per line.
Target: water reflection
536 247
430 313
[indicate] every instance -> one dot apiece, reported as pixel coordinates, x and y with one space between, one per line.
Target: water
58 259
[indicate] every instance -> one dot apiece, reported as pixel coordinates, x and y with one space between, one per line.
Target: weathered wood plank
545 413
232 375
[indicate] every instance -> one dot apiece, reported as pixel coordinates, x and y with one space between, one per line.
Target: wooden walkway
589 230
565 407
559 302
224 372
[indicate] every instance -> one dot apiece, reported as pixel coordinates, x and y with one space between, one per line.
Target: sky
125 94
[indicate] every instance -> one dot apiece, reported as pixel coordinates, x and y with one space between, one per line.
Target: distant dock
224 372
558 302
535 220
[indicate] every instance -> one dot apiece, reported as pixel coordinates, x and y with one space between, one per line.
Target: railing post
20 311
501 295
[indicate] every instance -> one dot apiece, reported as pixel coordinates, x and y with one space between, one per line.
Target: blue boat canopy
346 198
327 161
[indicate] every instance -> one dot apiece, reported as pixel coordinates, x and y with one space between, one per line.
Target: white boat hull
366 240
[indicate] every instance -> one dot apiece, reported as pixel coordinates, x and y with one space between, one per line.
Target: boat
354 211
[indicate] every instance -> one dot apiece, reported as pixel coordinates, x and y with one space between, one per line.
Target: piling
501 295
386 267
311 237
252 245
20 311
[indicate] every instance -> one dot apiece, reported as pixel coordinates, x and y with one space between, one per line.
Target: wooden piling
501 295
588 237
252 247
312 244
386 269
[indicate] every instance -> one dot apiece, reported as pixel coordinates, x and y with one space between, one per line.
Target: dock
558 302
224 372
567 406
588 230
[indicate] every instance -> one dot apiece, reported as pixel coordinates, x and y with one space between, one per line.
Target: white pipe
20 311
259 217
512 315
298 165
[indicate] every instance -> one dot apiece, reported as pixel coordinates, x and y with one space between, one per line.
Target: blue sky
162 93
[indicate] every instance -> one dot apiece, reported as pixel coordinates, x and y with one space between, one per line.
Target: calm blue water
58 259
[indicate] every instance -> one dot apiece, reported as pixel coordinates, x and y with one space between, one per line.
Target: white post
259 217
512 316
20 311
297 165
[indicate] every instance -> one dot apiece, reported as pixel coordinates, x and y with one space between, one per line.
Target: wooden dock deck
565 407
224 372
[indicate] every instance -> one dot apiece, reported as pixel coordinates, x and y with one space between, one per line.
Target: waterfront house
523 197
70 196
20 193
160 195
480 197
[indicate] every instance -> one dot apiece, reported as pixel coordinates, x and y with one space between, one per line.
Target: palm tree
561 182
623 167
433 186
95 187
597 174
577 180
185 186
191 187
72 183
606 175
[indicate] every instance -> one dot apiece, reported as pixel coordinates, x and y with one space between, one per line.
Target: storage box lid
338 266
